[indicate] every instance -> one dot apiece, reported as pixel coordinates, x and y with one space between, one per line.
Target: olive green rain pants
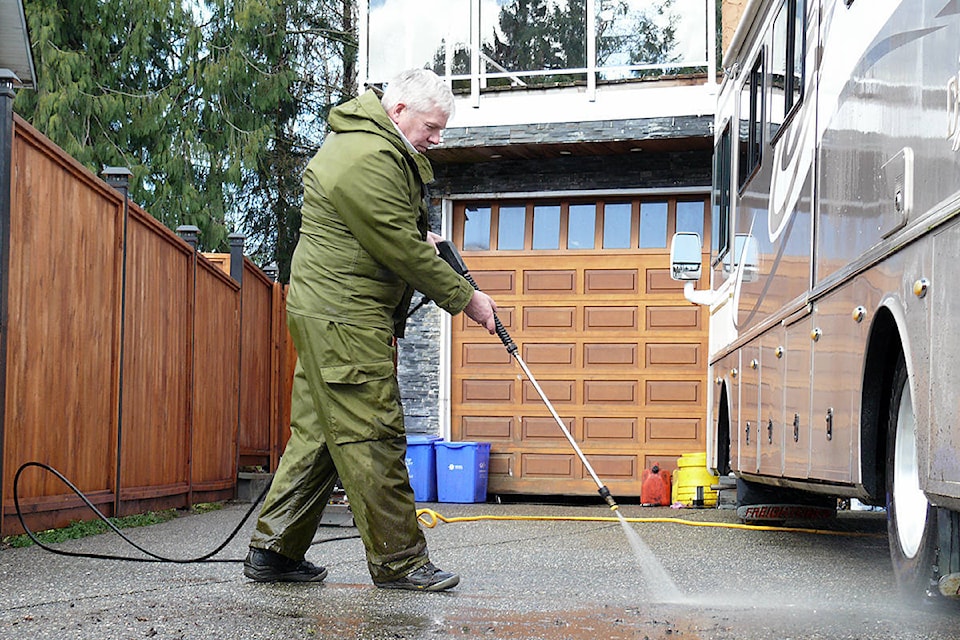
346 420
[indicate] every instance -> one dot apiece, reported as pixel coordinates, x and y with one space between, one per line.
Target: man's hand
433 238
480 309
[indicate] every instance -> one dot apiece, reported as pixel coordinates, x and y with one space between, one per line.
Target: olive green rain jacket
362 252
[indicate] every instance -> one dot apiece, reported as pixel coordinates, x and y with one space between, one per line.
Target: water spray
452 257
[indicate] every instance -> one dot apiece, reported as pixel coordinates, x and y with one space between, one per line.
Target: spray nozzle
605 494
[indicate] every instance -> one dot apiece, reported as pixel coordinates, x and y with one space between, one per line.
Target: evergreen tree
215 110
110 92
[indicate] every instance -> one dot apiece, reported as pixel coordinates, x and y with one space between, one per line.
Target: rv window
720 220
786 63
751 122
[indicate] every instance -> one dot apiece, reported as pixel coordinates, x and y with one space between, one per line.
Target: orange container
655 487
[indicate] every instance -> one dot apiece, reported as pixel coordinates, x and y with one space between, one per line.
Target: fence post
8 80
119 179
236 272
271 271
190 233
236 256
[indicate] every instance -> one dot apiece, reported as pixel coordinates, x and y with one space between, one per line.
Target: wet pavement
521 579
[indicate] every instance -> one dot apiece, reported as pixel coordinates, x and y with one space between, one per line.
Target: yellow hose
429 518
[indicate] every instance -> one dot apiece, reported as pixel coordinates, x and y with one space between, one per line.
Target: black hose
153 557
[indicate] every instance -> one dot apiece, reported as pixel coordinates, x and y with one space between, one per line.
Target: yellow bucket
691 474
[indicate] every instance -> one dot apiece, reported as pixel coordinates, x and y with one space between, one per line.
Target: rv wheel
911 520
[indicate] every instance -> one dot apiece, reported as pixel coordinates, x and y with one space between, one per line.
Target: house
582 140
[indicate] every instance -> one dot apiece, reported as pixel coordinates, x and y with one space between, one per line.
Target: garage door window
578 225
476 229
546 227
511 228
617 217
582 227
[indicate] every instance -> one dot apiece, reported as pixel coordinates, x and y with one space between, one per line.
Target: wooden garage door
584 290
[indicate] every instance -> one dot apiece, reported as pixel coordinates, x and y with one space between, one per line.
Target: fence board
216 383
156 392
259 373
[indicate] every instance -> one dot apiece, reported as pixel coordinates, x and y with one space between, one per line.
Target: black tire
911 520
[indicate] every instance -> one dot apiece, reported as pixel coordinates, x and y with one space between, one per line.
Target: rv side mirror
685 256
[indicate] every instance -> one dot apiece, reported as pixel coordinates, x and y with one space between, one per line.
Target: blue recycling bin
422 466
462 471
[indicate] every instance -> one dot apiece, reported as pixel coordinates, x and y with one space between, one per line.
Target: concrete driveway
521 579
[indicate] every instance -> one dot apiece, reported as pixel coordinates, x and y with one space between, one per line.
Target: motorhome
831 268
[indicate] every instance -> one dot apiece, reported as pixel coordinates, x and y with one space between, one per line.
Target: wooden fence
135 366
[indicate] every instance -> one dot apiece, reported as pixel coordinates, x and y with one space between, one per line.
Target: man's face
422 129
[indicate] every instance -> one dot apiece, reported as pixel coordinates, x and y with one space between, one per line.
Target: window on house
400 38
639 38
535 43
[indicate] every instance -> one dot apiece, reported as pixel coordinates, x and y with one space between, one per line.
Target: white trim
591 50
712 61
444 403
363 39
539 195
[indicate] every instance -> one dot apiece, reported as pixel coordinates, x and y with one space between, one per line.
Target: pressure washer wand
452 257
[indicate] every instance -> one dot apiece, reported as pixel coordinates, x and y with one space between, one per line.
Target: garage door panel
615 467
610 355
673 318
553 281
501 465
665 428
557 391
604 430
471 329
677 392
611 392
549 318
487 390
487 428
557 465
495 282
658 281
478 355
606 281
674 354
610 318
542 428
548 353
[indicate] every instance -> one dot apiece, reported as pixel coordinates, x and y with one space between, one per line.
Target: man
364 248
